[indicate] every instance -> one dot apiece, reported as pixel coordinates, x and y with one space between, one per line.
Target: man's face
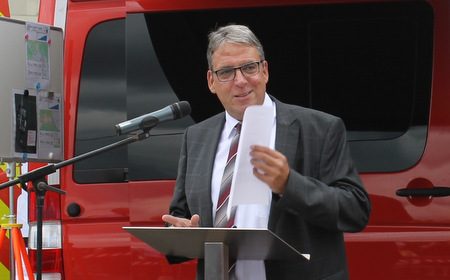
236 95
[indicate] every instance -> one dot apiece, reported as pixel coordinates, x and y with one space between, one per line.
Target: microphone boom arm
51 168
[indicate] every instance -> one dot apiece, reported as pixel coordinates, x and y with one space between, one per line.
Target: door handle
434 192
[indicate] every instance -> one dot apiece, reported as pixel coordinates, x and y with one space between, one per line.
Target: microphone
175 111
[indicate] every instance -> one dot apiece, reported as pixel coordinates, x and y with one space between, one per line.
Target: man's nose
239 78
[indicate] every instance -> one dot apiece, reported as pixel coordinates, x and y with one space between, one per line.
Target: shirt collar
230 123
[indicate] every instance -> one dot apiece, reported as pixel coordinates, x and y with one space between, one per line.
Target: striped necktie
225 186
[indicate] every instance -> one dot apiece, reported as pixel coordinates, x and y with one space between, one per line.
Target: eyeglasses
229 73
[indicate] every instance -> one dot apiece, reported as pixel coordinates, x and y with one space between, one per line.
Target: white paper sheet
256 130
37 55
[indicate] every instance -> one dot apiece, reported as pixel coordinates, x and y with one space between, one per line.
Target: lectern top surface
244 244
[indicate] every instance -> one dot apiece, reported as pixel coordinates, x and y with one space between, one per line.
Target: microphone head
180 109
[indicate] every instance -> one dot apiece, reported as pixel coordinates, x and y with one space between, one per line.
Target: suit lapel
210 142
287 134
286 142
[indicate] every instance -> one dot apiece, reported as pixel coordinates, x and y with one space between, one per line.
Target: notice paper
256 130
37 56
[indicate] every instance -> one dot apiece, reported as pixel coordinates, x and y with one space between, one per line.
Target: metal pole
11 173
216 261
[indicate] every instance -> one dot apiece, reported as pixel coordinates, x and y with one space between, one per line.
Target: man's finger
195 219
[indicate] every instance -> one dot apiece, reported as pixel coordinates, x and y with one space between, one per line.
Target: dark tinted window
369 64
102 104
148 90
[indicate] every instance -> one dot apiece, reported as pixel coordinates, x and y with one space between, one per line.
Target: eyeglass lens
248 70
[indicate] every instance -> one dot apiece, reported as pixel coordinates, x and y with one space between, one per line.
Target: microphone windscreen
181 109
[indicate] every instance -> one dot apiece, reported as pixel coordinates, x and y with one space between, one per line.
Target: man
316 192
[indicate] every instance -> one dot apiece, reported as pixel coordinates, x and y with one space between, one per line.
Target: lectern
217 245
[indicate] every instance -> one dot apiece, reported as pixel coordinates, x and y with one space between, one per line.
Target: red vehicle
382 66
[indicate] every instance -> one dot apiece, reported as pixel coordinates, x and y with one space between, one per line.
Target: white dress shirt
249 215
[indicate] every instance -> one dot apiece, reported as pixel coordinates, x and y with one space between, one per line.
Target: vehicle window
102 104
369 64
148 90
120 82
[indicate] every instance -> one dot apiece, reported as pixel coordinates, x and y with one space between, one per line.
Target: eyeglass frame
240 68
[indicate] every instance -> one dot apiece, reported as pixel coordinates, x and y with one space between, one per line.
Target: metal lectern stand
217 245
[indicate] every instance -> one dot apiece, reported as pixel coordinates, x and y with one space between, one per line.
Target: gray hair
235 34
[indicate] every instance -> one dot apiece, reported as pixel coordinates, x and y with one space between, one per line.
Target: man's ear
210 78
266 71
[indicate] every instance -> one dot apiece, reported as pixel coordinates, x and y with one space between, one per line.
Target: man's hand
181 222
271 167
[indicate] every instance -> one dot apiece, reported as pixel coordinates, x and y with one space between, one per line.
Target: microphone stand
40 187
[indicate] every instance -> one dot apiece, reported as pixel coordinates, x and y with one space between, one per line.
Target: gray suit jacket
323 199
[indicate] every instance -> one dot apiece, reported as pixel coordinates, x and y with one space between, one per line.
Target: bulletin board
31 92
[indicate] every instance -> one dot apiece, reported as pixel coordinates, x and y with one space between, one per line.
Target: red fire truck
382 66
